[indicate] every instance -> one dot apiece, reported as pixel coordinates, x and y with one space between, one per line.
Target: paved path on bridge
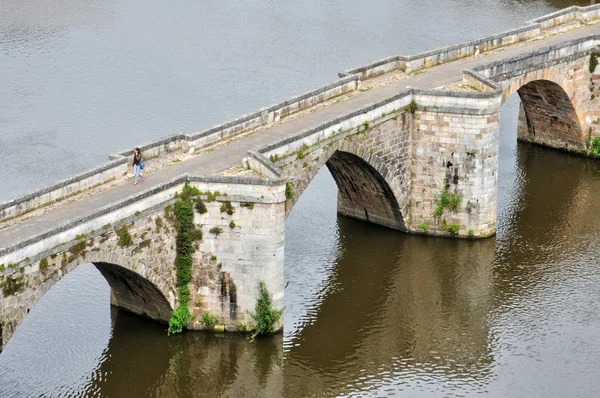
232 154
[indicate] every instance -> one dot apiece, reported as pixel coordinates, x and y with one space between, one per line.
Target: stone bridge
411 141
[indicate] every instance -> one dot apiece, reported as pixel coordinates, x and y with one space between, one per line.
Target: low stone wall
452 53
121 161
530 30
535 60
63 189
271 114
153 149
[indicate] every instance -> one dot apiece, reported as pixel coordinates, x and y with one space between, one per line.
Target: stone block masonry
133 245
418 154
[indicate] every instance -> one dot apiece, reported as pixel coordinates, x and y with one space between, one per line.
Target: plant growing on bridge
289 191
208 319
227 208
216 230
124 236
183 210
12 286
413 106
249 206
159 223
452 228
265 316
302 151
200 206
446 200
178 319
44 264
595 146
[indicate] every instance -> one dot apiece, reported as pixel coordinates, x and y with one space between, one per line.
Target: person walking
138 165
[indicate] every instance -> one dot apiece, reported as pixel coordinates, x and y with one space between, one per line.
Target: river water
369 311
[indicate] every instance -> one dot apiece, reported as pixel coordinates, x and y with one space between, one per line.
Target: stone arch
135 287
552 111
367 190
363 191
139 274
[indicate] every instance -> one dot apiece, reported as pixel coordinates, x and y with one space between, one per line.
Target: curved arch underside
548 116
134 293
363 193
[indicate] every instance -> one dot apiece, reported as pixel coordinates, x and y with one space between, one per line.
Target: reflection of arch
550 116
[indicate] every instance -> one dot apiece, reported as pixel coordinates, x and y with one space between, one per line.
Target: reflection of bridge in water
428 317
393 151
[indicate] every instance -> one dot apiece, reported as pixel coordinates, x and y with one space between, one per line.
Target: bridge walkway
231 155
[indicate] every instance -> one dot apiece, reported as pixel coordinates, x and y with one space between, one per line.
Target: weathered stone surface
136 255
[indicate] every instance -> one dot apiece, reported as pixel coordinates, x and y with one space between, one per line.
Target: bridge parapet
531 30
133 244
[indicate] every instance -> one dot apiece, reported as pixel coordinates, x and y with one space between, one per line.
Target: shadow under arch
548 117
132 292
363 190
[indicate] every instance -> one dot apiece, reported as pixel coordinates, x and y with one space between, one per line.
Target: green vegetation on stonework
208 319
200 206
124 236
264 315
289 191
77 248
249 206
44 264
595 146
424 227
593 61
274 158
413 106
471 234
446 200
216 230
179 319
159 223
183 211
12 286
227 208
452 228
302 151
232 225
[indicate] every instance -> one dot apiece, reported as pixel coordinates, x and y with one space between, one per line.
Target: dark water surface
369 311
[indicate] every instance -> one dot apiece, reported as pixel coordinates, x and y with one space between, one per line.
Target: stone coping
538 52
475 73
63 183
271 108
128 153
122 157
566 11
136 198
532 25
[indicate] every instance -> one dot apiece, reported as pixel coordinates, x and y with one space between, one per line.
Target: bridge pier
134 246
